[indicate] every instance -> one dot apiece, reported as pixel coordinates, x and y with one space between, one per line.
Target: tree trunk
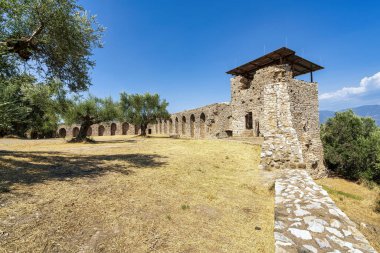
143 129
83 131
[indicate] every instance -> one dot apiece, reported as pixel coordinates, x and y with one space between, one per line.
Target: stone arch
101 130
89 131
176 126
113 128
165 126
124 128
170 126
62 133
183 125
75 131
192 122
202 125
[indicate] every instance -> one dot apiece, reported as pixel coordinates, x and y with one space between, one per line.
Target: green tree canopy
89 111
142 109
53 38
26 105
352 146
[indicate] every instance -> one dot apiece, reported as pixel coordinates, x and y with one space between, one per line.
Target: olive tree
27 105
352 146
51 38
143 109
89 111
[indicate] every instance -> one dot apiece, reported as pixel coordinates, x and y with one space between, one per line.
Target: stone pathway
307 220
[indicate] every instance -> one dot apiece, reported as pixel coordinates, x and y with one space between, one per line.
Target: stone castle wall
102 129
270 104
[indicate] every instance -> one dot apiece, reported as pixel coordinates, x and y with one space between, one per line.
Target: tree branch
36 32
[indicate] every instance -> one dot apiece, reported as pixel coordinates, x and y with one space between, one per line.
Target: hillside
364 111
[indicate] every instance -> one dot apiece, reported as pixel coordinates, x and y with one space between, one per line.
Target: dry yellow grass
358 202
133 195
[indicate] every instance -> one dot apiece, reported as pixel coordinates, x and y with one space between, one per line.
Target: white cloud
366 85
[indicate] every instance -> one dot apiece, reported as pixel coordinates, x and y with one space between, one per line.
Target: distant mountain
364 111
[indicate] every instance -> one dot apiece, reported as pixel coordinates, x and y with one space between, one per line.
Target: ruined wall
246 96
102 129
212 121
305 114
281 147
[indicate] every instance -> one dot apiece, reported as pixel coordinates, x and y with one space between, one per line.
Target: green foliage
352 146
54 37
142 109
28 106
89 111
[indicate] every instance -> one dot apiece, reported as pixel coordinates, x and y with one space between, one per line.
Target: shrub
352 146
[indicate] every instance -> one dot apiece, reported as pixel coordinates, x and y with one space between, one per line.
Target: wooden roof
283 55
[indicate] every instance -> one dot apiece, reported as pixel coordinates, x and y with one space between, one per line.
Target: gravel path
307 220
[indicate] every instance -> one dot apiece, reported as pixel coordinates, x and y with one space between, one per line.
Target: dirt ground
131 194
358 202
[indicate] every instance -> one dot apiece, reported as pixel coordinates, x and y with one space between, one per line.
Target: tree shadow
38 167
101 141
113 141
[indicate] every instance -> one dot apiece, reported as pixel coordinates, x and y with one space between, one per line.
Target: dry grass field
358 202
132 194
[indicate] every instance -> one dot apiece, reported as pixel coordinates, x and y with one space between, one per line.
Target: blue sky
182 49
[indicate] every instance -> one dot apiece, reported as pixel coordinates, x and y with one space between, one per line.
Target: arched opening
170 126
160 125
75 131
101 130
165 127
62 133
202 125
248 121
176 126
34 135
113 128
192 122
183 125
125 128
137 128
89 131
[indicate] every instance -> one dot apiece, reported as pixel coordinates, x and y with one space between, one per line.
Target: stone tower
267 101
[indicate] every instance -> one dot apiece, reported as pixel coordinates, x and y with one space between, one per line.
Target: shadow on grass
93 141
38 167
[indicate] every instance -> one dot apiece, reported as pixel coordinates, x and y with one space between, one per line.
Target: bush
352 146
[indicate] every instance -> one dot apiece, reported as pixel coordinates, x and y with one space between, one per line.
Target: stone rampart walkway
307 220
